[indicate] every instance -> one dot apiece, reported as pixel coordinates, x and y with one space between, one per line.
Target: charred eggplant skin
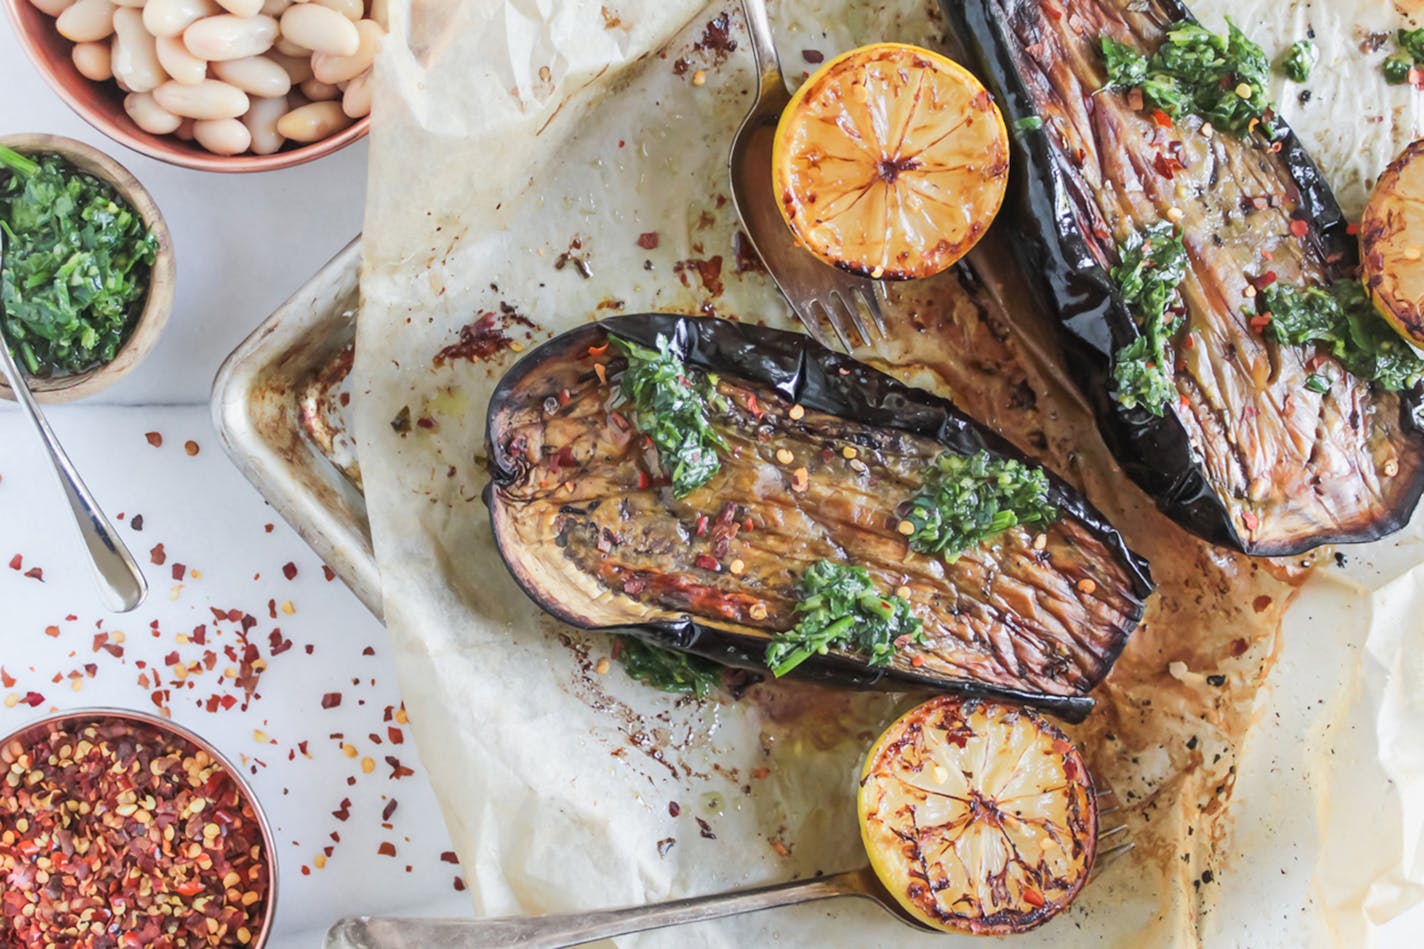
1155 452
821 380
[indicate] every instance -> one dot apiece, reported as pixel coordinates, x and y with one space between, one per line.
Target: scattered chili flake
813 55
52 631
1249 519
191 447
289 570
6 679
648 241
136 522
389 809
1352 228
1161 119
705 829
645 481
154 439
449 857
35 573
16 562
343 812
459 885
331 700
708 562
33 700
179 570
781 849
398 770
158 556
386 849
1299 228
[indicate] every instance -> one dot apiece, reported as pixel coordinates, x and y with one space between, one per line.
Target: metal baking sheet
278 404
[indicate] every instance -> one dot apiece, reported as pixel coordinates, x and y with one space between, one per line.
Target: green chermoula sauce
76 265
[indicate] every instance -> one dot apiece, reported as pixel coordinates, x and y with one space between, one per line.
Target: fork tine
869 298
806 316
1108 857
1112 832
831 317
844 301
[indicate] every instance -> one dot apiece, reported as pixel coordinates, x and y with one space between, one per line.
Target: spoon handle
763 47
120 581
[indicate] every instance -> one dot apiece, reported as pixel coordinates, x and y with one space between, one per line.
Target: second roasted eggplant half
1202 273
747 495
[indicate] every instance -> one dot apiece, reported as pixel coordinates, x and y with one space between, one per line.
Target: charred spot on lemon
1392 244
890 162
978 817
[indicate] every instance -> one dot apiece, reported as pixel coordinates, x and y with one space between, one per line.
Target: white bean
209 99
148 115
380 12
185 130
222 136
52 7
319 29
86 21
314 122
334 69
274 8
92 61
135 52
171 17
137 4
356 101
287 48
218 38
182 65
353 10
261 122
299 68
242 7
295 100
255 75
317 91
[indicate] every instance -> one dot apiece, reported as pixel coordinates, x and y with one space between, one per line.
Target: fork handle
763 47
574 929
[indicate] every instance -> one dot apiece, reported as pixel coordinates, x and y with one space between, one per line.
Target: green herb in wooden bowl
88 275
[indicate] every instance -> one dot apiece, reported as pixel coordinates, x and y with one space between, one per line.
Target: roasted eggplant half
1286 417
705 533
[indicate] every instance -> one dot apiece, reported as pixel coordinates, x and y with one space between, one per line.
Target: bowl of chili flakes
120 829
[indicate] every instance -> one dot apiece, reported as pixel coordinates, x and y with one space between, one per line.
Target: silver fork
819 293
575 929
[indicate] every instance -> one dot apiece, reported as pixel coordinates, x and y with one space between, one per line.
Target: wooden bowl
156 305
101 104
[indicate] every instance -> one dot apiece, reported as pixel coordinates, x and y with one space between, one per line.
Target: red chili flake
1249 519
1261 603
395 735
389 809
813 55
1352 228
917 661
386 849
1416 77
178 571
705 829
289 570
6 679
1166 165
369 651
331 700
16 562
648 241
701 527
52 631
644 481
1161 119
157 556
1299 228
1032 896
459 885
398 770
343 812
1260 321
328 573
708 562
449 857
754 406
674 808
154 439
136 522
1239 647
35 573
33 699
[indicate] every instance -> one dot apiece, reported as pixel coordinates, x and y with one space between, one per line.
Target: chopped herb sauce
1409 55
667 669
1299 59
1223 79
968 499
76 268
841 609
1028 123
1151 265
672 406
1341 318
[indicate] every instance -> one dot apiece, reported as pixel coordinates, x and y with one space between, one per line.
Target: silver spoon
120 581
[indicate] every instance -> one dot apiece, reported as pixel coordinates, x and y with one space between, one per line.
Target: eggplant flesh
590 533
1246 456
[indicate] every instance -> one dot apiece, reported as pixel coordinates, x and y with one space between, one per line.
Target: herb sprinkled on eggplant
969 499
840 607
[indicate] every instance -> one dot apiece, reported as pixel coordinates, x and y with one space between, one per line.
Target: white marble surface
243 244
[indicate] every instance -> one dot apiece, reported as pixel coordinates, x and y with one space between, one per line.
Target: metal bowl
157 304
101 104
47 725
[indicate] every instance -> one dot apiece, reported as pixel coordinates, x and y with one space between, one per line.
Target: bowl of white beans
216 85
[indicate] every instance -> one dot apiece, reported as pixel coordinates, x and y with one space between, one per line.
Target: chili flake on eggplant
818 451
1270 439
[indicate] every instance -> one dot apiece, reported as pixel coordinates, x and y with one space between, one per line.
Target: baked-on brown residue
485 338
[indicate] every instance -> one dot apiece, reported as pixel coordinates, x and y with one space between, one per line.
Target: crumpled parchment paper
522 148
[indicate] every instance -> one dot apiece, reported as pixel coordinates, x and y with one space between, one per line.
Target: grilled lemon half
890 162
978 817
1392 244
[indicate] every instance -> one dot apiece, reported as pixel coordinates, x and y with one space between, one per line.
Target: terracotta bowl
159 302
101 104
43 727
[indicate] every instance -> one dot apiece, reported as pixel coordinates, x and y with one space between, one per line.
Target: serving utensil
119 578
575 929
819 294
